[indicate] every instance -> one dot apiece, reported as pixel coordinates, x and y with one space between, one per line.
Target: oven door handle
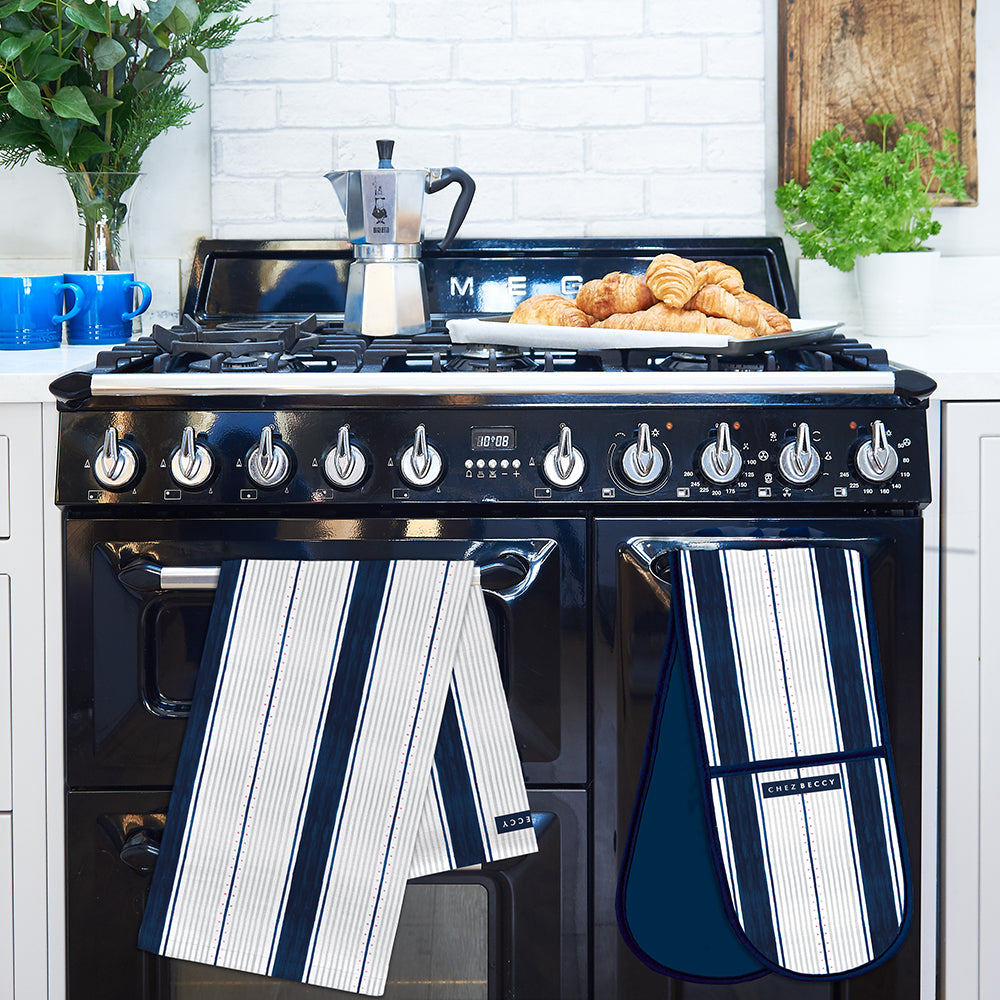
144 575
650 553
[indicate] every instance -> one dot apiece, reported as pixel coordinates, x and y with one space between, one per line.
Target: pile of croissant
676 295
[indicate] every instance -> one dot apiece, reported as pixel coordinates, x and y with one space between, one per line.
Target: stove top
278 356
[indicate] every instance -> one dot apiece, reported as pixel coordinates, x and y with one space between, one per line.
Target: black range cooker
256 428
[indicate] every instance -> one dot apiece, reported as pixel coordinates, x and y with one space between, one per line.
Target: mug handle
78 301
147 297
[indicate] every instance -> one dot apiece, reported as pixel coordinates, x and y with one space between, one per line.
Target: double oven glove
789 730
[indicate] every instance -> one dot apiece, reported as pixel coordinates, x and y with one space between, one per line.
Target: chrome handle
191 464
880 446
145 575
421 457
116 464
723 449
189 459
803 448
564 465
345 466
268 464
644 450
721 462
421 464
876 459
798 461
564 453
268 454
344 459
642 461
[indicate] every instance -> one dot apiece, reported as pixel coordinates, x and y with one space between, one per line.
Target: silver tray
497 331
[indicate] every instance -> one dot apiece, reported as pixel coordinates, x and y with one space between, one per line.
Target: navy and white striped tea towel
801 805
348 731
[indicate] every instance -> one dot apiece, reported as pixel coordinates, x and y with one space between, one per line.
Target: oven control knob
421 464
798 461
116 465
269 465
642 461
191 464
876 460
564 465
345 464
721 462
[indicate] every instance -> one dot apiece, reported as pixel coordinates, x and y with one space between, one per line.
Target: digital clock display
493 439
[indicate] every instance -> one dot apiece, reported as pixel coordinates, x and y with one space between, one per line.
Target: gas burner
482 357
237 338
256 362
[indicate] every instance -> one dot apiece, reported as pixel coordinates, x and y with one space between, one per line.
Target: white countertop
25 375
964 361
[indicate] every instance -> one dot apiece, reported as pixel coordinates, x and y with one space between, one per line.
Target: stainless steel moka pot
386 291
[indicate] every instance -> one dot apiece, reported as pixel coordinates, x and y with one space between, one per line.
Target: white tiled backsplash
575 117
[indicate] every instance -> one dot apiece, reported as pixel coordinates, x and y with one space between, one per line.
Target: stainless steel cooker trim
611 384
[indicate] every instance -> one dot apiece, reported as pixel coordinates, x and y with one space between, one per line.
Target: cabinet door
970 801
6 909
5 773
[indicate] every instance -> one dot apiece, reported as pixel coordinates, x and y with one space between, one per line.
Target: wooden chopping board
843 60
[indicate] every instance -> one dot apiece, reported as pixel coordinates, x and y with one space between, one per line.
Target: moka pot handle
451 175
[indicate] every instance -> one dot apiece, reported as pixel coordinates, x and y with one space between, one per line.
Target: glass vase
104 207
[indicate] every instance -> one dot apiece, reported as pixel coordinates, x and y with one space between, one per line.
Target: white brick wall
575 117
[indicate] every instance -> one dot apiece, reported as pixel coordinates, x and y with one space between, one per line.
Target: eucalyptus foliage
87 87
865 197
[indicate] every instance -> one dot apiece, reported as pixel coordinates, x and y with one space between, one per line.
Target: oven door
510 929
632 609
139 594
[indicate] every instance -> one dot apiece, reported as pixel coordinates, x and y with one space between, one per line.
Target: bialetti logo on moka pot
513 821
797 786
379 212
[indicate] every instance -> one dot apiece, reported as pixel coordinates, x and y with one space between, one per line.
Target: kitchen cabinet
24 817
970 791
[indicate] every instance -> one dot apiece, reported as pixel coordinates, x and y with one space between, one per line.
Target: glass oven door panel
632 608
517 928
136 621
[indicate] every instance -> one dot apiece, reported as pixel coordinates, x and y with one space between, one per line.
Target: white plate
496 331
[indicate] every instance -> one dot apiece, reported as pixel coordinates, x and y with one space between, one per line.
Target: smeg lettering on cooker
598 491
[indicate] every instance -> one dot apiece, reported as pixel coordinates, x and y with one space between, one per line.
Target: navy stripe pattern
349 731
784 669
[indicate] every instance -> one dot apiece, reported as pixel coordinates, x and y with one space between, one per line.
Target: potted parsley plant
871 203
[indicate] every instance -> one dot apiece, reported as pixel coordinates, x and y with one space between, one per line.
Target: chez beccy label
513 821
797 786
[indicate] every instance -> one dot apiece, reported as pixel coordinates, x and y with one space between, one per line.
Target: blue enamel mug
108 307
31 311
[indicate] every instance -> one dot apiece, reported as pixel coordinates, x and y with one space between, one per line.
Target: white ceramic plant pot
898 292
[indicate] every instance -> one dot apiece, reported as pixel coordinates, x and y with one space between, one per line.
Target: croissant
662 317
716 301
549 310
658 317
614 293
714 272
672 279
776 320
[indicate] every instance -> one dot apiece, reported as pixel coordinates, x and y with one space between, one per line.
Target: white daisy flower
127 8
